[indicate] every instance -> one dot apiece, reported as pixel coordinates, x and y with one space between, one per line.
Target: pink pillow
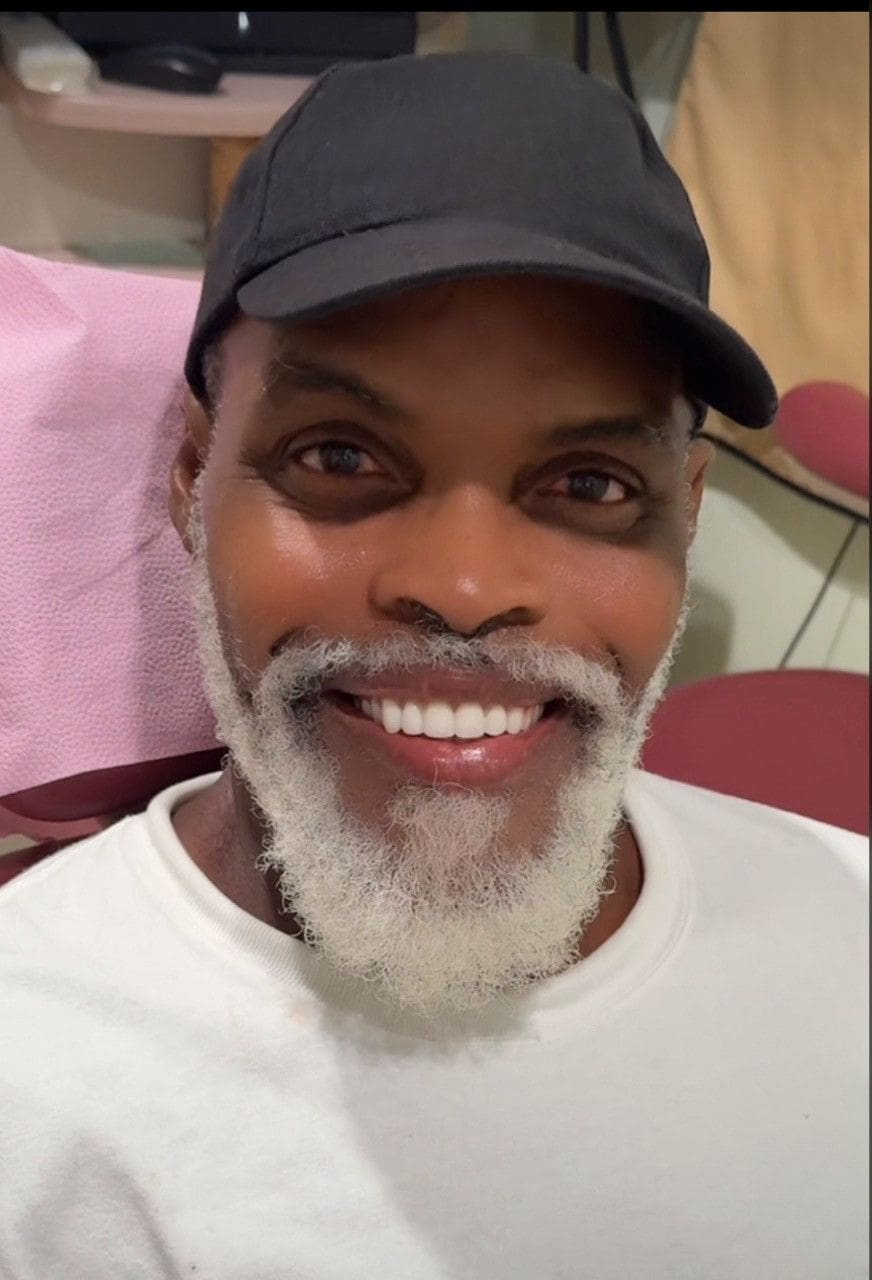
98 664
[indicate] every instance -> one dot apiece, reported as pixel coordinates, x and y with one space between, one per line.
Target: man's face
440 554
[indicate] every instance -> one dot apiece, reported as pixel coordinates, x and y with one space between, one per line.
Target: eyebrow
286 373
655 428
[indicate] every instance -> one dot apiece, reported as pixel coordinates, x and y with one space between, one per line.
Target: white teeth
469 721
495 722
413 721
392 715
515 720
440 720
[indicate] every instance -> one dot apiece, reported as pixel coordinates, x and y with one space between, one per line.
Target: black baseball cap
389 175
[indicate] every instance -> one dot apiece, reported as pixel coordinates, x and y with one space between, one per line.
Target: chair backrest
825 426
98 665
796 740
69 809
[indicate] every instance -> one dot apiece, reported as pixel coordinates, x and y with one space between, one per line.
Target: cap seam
306 101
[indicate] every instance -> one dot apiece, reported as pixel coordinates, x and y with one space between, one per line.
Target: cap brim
721 369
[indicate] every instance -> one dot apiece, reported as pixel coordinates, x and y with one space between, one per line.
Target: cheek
273 572
624 600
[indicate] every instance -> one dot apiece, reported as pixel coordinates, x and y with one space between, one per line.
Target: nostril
434 623
421 615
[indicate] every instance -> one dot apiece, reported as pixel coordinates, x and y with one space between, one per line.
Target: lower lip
466 762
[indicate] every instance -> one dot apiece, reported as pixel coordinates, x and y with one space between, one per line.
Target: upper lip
427 685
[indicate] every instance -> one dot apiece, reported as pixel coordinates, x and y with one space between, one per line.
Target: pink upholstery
98 666
798 740
825 426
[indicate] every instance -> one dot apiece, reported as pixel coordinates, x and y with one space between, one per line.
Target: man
430 981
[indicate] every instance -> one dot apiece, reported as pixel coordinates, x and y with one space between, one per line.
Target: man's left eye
593 486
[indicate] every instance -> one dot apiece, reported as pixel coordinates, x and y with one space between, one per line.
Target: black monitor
289 43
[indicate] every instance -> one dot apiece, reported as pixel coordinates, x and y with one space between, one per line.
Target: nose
460 562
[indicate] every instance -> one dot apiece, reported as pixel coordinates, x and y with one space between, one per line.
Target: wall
65 187
762 555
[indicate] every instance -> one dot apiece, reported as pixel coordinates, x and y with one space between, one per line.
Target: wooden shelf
245 106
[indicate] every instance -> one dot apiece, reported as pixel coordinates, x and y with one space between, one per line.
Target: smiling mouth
440 720
467 744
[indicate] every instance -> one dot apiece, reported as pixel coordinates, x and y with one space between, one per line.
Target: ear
699 455
188 464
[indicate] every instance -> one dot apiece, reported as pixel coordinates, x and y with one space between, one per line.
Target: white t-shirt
187 1092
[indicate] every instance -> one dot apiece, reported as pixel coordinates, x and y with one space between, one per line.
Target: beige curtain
771 138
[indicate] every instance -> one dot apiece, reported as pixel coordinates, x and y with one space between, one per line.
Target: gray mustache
305 664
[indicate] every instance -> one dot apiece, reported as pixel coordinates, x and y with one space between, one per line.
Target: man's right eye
337 458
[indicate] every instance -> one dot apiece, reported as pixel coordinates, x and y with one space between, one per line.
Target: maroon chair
58 813
796 740
825 426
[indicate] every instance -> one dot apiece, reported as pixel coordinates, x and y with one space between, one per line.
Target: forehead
524 329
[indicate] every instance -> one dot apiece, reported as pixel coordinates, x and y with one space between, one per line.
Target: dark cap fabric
390 175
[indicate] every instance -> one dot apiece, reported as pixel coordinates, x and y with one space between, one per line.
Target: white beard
431 910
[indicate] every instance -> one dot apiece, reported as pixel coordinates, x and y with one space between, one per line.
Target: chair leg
618 50
582 41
